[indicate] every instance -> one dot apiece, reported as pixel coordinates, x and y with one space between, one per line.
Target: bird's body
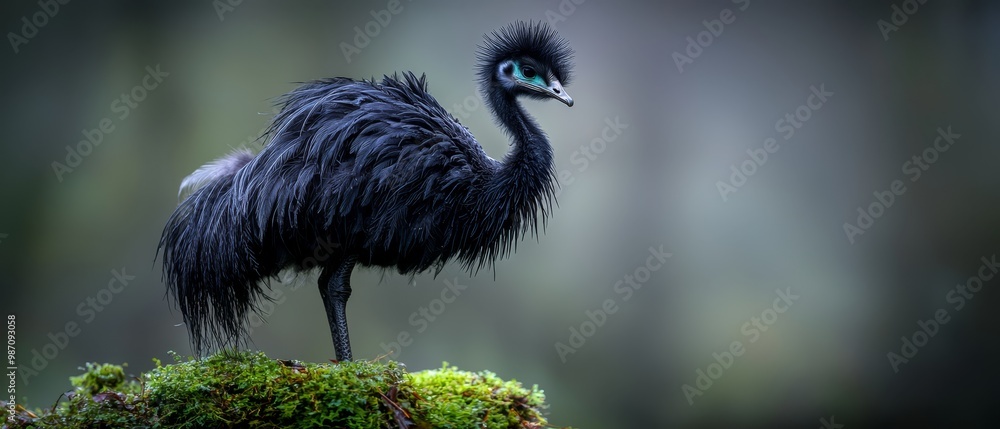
361 172
397 187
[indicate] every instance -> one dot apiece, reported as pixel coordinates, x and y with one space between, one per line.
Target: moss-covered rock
251 390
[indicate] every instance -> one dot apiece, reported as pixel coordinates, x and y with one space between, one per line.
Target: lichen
242 389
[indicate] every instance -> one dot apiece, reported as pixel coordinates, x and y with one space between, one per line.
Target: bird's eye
528 72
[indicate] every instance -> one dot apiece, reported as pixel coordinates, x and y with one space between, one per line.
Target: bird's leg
335 288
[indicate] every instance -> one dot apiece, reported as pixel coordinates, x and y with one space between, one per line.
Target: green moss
102 397
100 378
452 398
251 390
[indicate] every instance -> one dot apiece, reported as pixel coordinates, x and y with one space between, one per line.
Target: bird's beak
555 90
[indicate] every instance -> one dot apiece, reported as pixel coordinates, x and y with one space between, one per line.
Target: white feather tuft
222 167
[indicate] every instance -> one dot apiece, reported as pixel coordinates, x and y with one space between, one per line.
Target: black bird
376 174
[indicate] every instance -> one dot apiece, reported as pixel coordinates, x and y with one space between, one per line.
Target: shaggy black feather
373 172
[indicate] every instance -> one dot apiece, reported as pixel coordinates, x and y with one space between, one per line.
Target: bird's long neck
521 191
530 159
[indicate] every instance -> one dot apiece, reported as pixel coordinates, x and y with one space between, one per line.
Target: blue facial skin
536 80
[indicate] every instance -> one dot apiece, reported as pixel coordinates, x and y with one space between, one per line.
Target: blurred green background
653 184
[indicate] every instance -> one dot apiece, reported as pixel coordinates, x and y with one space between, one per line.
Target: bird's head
527 59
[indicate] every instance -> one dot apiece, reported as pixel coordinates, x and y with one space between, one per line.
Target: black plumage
377 174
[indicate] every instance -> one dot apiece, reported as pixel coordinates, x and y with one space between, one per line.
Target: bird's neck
527 170
520 191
